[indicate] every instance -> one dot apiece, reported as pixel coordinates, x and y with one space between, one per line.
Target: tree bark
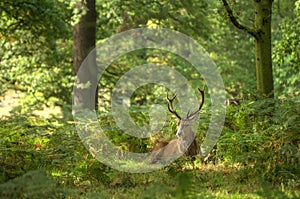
262 34
86 94
264 72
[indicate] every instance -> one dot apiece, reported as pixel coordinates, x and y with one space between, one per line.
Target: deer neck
186 139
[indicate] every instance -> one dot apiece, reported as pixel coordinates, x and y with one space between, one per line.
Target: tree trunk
262 34
86 94
264 72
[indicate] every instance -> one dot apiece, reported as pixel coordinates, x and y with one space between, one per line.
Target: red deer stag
185 141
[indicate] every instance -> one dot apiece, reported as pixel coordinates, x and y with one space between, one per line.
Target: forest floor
58 148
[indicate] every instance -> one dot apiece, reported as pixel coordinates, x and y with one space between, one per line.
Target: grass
208 181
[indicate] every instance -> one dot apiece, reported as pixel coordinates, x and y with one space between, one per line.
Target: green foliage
28 143
257 155
33 184
286 57
262 142
35 54
248 153
20 145
231 49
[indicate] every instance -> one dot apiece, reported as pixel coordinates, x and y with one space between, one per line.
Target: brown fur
171 149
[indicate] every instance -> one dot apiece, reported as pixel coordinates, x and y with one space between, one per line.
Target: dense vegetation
257 155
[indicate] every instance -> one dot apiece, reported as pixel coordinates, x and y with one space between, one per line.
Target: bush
263 142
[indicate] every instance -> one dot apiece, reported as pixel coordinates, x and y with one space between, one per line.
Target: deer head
184 127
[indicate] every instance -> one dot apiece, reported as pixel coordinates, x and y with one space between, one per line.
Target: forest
149 99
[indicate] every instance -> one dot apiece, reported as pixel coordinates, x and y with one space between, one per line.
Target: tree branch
235 22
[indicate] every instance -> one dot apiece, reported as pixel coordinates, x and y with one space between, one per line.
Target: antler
200 106
170 106
189 115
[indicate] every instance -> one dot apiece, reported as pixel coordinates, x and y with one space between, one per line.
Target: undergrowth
257 156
